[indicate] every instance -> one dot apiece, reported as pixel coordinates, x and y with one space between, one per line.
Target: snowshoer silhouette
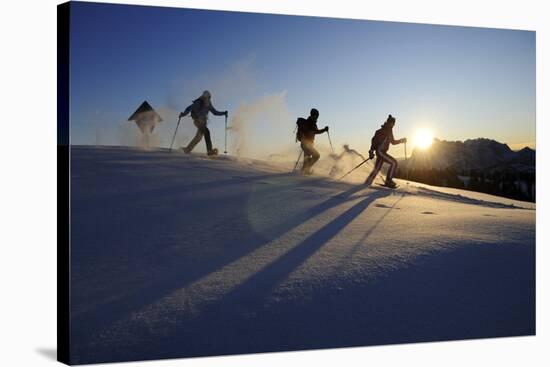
380 144
347 152
307 129
199 113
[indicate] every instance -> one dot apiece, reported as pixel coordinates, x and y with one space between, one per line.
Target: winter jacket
382 139
309 130
199 111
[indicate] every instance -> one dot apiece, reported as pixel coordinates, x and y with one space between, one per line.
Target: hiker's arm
216 112
399 141
372 148
186 112
317 131
372 145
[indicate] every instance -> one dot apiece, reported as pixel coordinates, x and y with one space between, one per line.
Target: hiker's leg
314 155
393 165
207 139
195 141
305 165
375 170
307 156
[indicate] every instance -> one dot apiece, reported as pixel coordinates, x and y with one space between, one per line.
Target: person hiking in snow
199 113
380 144
307 129
347 152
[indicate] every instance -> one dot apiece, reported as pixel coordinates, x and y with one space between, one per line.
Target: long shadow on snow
250 295
255 289
177 274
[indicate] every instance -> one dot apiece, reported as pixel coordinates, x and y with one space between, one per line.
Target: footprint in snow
427 213
382 206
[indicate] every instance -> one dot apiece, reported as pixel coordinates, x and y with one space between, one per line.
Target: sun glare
423 138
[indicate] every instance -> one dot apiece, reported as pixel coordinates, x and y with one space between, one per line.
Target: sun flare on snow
423 138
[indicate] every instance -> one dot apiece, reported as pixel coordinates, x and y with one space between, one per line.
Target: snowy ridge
183 255
469 197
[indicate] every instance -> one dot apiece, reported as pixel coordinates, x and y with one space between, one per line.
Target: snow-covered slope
181 255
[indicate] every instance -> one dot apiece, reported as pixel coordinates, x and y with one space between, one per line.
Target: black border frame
63 183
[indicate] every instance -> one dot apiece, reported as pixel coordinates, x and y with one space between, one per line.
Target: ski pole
297 160
406 164
330 141
174 137
225 146
354 168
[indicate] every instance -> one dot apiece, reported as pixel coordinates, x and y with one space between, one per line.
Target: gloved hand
226 113
404 140
326 129
371 154
182 115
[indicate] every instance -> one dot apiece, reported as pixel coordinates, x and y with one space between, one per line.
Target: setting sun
423 138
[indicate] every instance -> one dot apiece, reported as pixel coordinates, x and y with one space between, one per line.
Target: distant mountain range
481 154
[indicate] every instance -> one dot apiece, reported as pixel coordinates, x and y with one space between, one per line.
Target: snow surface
180 255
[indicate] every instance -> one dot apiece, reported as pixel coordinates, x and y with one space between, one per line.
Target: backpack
197 105
300 128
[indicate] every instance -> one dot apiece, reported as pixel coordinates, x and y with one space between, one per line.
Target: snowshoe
307 172
186 150
213 152
389 185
